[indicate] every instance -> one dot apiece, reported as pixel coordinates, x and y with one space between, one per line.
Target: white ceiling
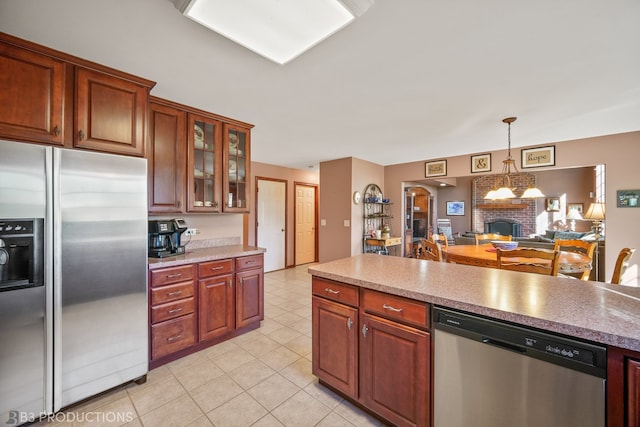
409 80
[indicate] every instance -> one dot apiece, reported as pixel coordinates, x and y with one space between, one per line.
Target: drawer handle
216 268
331 291
174 293
388 307
251 261
173 276
172 339
175 310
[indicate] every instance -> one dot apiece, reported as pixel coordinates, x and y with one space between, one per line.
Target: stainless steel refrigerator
73 276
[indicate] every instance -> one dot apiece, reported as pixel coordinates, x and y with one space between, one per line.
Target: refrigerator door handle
55 234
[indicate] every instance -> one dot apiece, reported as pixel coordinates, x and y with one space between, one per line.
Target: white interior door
271 208
305 224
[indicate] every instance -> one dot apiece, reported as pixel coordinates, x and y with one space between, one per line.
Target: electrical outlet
191 231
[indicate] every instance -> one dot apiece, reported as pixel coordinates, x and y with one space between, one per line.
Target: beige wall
619 153
339 179
291 176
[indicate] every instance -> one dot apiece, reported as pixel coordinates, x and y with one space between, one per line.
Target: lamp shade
595 212
574 214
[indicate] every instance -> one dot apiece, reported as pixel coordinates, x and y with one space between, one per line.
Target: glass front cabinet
236 179
204 164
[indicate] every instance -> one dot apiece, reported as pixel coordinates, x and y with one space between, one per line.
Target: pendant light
505 191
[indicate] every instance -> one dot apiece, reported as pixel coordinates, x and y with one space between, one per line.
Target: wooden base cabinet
217 299
623 388
227 301
335 345
394 371
385 363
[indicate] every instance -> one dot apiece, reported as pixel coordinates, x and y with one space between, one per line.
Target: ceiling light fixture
279 30
505 191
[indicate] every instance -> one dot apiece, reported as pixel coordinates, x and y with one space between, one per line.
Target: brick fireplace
521 211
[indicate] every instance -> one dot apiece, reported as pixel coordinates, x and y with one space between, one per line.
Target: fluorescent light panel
279 30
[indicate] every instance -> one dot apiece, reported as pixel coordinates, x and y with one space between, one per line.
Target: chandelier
502 188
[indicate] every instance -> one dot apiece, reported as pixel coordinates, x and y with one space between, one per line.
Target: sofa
545 241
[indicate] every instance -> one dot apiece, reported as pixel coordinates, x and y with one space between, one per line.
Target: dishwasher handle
504 345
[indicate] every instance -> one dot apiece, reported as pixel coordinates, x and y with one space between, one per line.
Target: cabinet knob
80 135
56 131
364 330
349 323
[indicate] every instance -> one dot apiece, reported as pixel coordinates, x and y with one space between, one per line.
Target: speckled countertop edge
607 314
205 254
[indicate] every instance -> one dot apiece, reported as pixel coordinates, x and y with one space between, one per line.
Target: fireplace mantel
502 205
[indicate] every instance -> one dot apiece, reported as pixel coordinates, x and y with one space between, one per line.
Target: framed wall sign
538 157
481 163
455 208
628 198
578 207
553 204
437 168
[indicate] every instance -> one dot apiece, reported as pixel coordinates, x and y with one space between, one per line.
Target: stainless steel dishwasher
494 374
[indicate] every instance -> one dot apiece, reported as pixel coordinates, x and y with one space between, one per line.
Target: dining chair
440 238
621 264
578 246
431 251
529 260
484 238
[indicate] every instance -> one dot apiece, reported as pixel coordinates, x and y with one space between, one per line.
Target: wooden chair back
622 262
528 260
440 238
431 251
580 246
483 238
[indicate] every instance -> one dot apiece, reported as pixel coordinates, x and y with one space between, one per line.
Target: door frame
315 214
286 212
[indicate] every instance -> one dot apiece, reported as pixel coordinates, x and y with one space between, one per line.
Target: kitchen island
597 312
202 297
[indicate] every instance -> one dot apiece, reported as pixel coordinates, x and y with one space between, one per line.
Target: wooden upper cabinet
236 179
166 152
32 96
110 113
204 160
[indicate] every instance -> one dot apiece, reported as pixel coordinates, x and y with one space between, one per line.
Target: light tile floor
261 378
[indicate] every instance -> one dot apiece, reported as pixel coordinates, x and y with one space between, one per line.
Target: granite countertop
205 254
604 313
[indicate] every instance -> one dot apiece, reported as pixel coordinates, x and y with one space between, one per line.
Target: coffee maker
164 237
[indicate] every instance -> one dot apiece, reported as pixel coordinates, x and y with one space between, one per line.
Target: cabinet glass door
237 169
203 166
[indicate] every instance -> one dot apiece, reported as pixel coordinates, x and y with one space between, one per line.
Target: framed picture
481 163
538 157
553 204
628 198
579 207
455 208
437 168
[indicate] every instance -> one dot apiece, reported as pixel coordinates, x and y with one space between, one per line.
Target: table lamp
572 216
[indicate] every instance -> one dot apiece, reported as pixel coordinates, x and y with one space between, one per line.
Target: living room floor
261 378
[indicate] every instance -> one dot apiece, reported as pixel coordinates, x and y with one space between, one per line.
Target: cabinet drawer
396 308
173 335
335 291
169 293
171 310
245 262
165 276
215 268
